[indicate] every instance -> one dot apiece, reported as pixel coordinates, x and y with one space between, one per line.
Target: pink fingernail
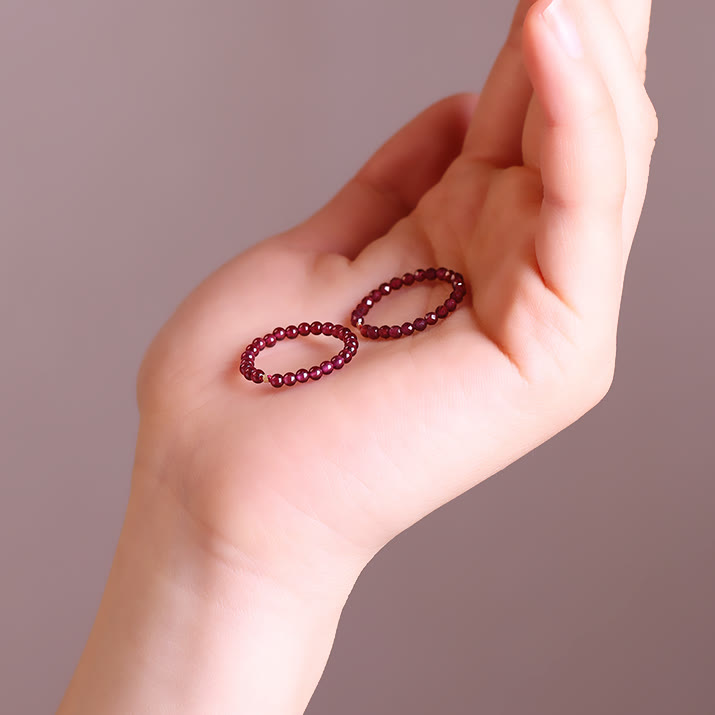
558 19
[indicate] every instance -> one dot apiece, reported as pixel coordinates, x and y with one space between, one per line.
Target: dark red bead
407 329
289 379
368 301
395 331
420 324
384 331
315 373
280 333
430 274
304 329
431 318
251 350
419 275
257 376
457 279
291 332
356 320
346 356
361 311
408 279
443 273
259 343
338 331
350 348
302 375
364 330
458 293
385 289
372 333
376 295
396 283
316 327
450 304
270 340
328 329
338 362
276 380
326 367
442 311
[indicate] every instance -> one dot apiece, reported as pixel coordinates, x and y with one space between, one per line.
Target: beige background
144 142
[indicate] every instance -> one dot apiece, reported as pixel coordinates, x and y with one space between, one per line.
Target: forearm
181 632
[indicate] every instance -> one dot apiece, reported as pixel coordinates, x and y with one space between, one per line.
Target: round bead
368 301
395 331
257 376
420 324
396 283
430 274
251 350
291 332
280 333
457 279
408 279
385 289
304 329
450 304
270 340
316 327
302 375
443 273
407 329
442 311
327 329
338 362
363 330
346 356
326 367
376 295
458 293
276 380
315 373
431 318
419 275
384 331
289 379
259 343
372 332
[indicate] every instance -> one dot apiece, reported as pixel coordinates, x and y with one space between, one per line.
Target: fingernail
557 17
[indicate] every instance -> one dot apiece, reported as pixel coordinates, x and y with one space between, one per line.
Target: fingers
634 18
583 163
391 183
494 134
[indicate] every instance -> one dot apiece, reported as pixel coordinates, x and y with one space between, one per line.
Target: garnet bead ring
248 358
459 290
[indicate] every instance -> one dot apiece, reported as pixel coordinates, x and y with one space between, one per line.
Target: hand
533 195
533 191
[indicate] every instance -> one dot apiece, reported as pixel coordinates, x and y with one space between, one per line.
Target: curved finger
583 164
494 135
392 181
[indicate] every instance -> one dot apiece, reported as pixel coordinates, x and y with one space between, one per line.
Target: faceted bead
338 362
257 376
385 289
407 329
276 380
408 279
372 332
315 373
419 275
270 340
457 279
291 333
420 324
442 273
442 311
430 274
363 330
368 301
316 327
326 367
396 283
395 331
458 293
384 331
280 333
259 343
328 329
376 295
361 311
304 329
301 375
431 318
289 379
450 304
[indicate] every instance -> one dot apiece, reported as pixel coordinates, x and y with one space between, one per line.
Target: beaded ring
248 358
459 290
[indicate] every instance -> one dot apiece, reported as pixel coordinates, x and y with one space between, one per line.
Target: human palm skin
533 191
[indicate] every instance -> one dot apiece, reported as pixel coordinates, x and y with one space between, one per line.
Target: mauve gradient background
143 143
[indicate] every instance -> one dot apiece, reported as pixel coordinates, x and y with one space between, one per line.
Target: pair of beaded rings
350 340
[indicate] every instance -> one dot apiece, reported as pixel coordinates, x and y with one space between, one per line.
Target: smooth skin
253 510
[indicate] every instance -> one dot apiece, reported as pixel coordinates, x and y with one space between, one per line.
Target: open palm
533 191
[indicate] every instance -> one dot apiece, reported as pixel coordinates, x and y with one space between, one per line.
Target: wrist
188 626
